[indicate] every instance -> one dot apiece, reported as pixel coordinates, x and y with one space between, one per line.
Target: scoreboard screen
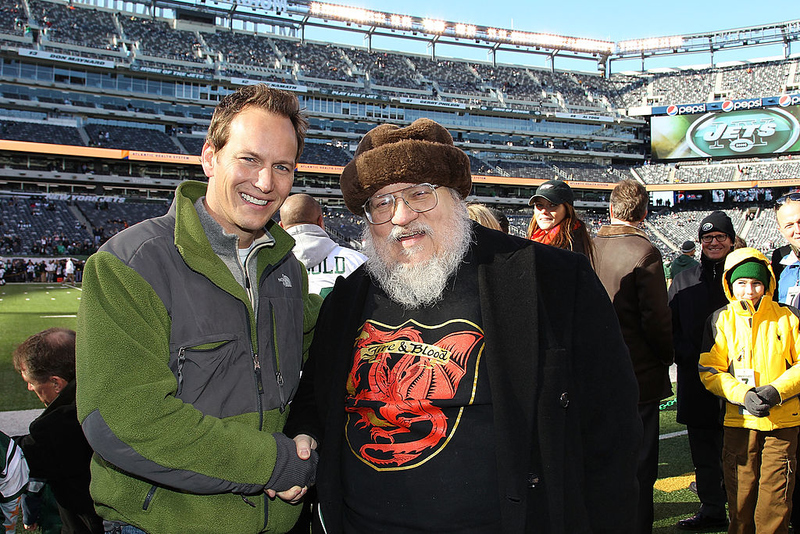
698 132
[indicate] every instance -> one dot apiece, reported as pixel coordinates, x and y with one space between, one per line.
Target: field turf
28 308
24 310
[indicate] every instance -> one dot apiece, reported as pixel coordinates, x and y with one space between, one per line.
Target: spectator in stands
13 482
787 212
181 404
481 215
443 392
554 220
786 266
501 219
631 270
683 261
750 359
55 448
325 261
694 295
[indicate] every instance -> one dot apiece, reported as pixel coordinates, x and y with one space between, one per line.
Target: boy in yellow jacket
753 345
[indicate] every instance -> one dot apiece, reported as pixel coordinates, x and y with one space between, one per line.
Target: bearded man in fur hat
463 379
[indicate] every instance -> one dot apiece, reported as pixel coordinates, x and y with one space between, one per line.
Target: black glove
290 470
755 404
768 394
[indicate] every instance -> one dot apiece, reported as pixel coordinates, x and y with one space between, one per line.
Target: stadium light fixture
434 26
457 29
648 45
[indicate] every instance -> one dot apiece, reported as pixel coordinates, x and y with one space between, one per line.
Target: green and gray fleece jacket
184 369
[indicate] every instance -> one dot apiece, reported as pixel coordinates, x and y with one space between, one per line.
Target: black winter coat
694 295
57 452
563 390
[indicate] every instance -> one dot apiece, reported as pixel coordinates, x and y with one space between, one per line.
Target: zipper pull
257 370
181 361
279 379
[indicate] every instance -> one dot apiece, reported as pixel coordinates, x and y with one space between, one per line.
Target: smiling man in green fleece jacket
192 332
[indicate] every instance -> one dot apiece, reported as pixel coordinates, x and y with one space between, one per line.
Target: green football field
28 308
24 310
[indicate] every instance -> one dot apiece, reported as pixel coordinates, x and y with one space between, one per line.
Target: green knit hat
751 269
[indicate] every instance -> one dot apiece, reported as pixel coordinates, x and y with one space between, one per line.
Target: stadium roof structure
296 16
781 33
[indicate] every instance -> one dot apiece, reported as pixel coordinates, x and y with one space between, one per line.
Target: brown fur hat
422 152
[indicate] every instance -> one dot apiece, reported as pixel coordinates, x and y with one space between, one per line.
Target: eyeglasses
419 198
709 238
794 197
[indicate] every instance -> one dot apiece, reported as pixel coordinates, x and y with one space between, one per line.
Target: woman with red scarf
555 222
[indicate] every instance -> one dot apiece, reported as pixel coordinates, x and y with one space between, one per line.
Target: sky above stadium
613 20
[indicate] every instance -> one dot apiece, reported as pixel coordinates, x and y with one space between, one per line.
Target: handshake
291 470
760 399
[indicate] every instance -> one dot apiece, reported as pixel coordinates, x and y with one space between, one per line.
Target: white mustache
398 232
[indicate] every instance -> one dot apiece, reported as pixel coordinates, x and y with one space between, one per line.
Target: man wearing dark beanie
453 379
695 294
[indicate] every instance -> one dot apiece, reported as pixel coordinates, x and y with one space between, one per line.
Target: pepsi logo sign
788 100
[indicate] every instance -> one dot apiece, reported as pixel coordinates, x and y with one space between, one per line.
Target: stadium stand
159 77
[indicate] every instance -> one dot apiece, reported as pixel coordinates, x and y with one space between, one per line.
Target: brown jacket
631 270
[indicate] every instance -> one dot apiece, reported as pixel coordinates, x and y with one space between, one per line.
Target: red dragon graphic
400 389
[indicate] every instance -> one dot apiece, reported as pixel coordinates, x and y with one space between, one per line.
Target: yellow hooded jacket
765 340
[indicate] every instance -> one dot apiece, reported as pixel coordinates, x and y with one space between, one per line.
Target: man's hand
304 445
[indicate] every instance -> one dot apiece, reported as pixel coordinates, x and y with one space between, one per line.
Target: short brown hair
47 353
629 201
282 103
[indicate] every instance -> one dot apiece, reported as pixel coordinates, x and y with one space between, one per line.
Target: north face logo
285 280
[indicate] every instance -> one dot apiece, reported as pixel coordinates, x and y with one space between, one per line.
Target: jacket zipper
149 497
181 361
259 389
278 375
259 382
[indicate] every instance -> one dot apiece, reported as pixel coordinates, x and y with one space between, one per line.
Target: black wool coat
563 390
694 295
58 452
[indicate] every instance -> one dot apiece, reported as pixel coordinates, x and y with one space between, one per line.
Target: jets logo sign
751 132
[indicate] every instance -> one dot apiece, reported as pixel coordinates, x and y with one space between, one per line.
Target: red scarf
545 236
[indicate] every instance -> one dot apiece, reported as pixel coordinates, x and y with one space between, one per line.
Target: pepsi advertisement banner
756 131
727 105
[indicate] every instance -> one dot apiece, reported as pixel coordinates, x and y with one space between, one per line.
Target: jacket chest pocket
211 376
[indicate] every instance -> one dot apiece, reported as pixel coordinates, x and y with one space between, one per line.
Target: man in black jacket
56 449
694 295
463 379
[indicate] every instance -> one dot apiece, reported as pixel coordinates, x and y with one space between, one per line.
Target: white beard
414 285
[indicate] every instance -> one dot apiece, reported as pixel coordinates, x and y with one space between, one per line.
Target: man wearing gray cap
454 378
684 260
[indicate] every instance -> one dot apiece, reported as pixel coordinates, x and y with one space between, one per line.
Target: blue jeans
116 527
